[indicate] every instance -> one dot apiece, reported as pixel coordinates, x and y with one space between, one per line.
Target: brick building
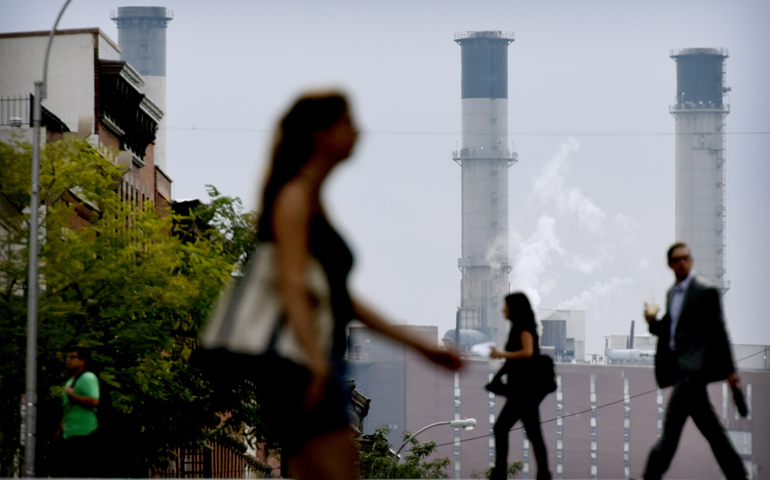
92 92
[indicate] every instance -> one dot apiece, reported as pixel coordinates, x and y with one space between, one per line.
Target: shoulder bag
541 378
247 328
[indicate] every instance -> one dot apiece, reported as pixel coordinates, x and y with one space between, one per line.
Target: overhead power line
428 132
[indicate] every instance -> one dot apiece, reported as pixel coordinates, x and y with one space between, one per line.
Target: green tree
224 221
415 464
123 286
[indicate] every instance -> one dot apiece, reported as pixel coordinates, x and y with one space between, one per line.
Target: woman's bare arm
291 224
376 322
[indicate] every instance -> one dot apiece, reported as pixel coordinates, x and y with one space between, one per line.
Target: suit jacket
701 345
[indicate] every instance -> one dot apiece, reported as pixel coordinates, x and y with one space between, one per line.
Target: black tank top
521 366
336 259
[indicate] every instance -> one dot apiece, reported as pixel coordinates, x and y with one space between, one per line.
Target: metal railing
675 52
169 15
16 110
495 34
692 106
221 461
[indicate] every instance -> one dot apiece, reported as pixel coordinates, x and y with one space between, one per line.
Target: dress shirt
675 309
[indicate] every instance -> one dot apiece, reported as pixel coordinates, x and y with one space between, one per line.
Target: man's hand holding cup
651 311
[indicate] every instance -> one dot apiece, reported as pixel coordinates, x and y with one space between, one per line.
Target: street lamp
465 423
31 387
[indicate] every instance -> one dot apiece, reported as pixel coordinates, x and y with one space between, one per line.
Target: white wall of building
71 86
155 89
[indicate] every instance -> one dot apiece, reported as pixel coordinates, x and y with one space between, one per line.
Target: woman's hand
445 358
495 353
527 350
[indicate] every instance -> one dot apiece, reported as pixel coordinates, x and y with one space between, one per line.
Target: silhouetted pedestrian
693 350
523 387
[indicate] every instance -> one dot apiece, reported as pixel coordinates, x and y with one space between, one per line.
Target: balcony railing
16 111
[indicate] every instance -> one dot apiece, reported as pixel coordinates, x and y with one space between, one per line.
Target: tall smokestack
700 158
142 40
485 159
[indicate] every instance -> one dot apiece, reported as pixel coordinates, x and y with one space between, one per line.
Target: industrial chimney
485 158
142 40
700 158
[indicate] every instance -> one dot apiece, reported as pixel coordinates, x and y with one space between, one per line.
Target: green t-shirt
78 420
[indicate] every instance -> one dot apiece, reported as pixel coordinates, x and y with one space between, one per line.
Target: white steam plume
549 186
593 295
533 257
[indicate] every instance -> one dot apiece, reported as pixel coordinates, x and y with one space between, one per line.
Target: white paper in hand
483 349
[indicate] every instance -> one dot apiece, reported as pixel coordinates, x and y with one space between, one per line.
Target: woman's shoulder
297 193
296 200
530 327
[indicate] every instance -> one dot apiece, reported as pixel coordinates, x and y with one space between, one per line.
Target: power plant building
564 331
600 423
700 158
485 158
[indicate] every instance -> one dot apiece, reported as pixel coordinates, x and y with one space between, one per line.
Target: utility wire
555 418
426 132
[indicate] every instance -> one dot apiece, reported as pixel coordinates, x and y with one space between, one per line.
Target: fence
222 461
16 110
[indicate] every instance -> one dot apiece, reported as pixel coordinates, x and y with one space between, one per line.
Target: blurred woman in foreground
523 397
315 136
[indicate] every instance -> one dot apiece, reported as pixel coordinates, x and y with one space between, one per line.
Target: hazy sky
590 84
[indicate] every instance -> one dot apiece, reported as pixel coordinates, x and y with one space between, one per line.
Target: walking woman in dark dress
316 135
523 399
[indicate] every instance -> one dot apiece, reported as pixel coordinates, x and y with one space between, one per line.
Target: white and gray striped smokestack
142 40
485 158
700 158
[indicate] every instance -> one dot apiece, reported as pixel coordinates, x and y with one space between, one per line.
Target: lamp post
31 387
466 423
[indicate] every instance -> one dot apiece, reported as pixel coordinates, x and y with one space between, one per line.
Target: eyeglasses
674 260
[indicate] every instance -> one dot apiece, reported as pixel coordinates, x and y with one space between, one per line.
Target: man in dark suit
693 350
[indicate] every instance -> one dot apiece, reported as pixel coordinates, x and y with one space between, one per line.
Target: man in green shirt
79 423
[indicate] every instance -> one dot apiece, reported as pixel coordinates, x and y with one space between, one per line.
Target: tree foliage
415 464
125 287
224 222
